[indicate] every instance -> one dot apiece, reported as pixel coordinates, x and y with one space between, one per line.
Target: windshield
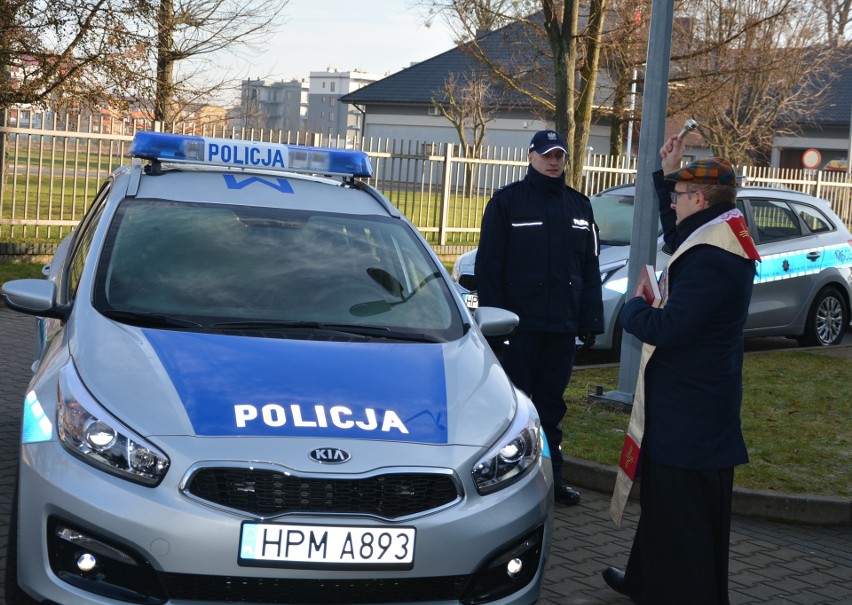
614 217
216 266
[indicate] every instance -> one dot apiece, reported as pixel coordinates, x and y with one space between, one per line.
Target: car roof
187 184
189 169
792 194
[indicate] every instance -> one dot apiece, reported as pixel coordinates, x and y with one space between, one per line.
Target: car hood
609 254
171 382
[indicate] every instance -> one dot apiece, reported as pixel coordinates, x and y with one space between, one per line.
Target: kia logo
329 455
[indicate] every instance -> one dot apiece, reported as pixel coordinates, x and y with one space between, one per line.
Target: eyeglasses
676 194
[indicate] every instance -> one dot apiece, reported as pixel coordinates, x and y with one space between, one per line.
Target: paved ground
770 562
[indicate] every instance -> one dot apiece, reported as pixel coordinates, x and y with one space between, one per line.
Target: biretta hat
706 171
545 141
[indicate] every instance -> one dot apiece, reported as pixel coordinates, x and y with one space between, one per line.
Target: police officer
538 257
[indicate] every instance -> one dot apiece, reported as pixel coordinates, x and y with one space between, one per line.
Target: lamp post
631 107
849 151
643 240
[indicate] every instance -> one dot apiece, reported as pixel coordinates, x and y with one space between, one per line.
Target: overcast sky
376 36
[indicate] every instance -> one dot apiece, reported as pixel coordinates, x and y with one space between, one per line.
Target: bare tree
838 19
623 53
183 36
50 49
547 58
573 108
467 103
742 68
145 52
474 16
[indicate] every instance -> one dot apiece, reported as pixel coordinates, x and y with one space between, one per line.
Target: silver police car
803 285
259 385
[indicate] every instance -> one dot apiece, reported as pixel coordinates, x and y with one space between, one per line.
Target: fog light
102 565
86 562
89 543
506 572
514 567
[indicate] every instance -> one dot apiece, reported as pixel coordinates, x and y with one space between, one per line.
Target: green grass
57 198
796 408
60 186
9 271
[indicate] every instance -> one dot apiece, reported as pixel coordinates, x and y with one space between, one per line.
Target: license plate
471 300
286 545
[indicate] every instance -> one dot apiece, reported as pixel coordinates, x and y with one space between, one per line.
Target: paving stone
770 562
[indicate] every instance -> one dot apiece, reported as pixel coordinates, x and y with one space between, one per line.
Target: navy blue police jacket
538 256
693 380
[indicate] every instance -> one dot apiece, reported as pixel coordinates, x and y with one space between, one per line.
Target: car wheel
827 319
14 595
614 354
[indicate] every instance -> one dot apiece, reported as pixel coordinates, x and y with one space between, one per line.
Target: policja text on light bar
234 153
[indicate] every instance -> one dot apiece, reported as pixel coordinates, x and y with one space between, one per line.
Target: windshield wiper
382 332
267 324
150 319
350 329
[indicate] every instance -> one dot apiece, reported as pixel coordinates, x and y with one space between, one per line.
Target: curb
772 506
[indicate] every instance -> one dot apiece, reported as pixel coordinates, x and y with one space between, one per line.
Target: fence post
3 122
445 195
818 184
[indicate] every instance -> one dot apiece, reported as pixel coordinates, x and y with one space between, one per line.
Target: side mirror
493 321
33 297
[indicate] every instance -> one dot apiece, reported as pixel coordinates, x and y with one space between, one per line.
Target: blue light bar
249 154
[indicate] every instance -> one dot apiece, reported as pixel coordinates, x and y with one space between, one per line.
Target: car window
215 263
814 220
774 220
83 241
614 217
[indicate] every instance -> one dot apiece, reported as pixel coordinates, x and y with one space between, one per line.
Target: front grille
269 493
230 589
468 282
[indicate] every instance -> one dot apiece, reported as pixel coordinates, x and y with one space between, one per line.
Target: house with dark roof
829 129
402 106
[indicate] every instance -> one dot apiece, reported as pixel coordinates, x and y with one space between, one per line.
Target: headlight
89 432
608 270
516 453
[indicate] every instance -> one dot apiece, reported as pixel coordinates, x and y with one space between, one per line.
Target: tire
827 320
614 354
14 595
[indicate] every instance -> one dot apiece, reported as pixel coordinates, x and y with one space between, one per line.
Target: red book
629 461
647 286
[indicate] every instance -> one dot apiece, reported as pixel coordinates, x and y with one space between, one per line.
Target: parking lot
770 562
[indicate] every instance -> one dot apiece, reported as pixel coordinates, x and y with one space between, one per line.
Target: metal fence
50 174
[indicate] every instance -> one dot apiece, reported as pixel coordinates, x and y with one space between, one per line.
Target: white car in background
803 285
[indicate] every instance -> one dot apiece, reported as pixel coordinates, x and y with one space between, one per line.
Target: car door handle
814 255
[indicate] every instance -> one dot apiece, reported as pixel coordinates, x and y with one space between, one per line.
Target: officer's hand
588 339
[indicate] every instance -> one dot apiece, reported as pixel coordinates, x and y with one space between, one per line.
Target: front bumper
156 545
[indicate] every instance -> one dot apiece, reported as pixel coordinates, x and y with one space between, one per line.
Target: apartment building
326 114
279 105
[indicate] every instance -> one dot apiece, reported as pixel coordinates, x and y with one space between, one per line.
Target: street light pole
849 151
643 241
631 108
